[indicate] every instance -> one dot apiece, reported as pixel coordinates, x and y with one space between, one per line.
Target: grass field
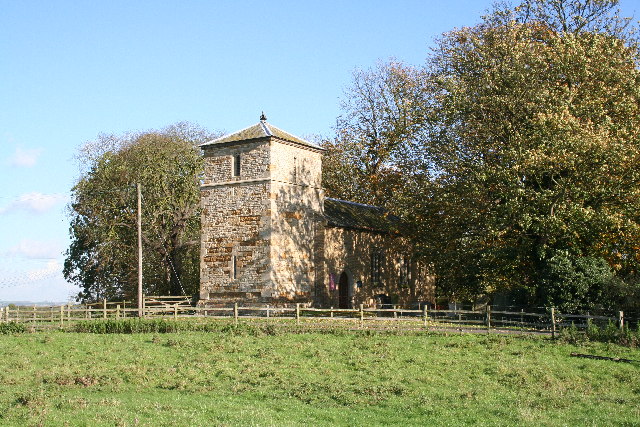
241 377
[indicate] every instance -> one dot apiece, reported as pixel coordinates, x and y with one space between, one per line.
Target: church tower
262 206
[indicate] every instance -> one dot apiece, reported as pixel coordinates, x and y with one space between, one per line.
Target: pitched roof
340 213
262 129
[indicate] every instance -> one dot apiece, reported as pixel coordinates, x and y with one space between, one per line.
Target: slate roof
340 213
262 129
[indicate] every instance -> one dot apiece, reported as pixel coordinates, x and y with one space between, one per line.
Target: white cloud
25 158
34 281
35 249
51 269
34 202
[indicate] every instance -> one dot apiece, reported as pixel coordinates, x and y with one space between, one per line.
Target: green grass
262 376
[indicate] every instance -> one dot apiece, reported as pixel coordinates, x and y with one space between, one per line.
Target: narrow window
236 165
234 268
295 170
376 261
404 271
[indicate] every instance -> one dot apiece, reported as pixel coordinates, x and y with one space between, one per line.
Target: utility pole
140 300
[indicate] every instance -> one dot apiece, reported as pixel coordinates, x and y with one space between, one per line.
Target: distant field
342 378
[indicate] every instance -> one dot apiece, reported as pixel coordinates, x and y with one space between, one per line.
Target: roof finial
263 118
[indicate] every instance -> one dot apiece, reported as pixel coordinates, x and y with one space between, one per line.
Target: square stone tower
262 210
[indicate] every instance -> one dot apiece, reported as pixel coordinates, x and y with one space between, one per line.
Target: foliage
534 137
12 328
376 136
568 282
571 16
610 333
164 326
102 257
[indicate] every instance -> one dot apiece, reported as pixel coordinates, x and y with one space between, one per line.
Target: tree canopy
376 136
535 136
102 257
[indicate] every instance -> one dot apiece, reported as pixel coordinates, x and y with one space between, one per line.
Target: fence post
104 308
361 316
424 314
34 314
235 313
553 322
331 311
61 315
267 310
488 316
395 313
118 311
297 313
621 320
175 312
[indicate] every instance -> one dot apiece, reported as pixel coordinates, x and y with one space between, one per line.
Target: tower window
234 267
236 165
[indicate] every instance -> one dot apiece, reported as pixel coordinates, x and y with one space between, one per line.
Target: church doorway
343 292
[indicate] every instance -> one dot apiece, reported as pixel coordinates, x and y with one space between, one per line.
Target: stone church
270 236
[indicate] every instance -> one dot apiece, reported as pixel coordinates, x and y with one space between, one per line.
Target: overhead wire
171 263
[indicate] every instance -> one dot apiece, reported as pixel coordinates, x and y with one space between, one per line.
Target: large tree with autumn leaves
536 139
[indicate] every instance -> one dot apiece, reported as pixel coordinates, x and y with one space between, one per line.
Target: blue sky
70 70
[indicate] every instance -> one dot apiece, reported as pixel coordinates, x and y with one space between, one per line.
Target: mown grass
258 376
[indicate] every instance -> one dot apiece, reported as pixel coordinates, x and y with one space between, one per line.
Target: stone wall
295 215
236 225
218 165
349 251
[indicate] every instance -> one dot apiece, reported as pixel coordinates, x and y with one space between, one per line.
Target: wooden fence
549 321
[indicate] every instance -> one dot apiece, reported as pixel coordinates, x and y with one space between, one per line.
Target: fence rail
371 317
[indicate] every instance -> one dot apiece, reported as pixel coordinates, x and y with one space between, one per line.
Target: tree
102 257
571 16
535 140
374 152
